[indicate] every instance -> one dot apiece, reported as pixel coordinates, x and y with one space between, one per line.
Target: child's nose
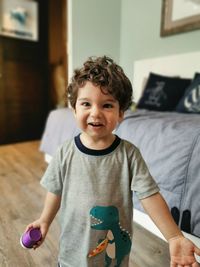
95 111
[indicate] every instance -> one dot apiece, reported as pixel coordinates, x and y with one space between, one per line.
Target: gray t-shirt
96 205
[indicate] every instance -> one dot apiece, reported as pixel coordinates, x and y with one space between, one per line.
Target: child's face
97 114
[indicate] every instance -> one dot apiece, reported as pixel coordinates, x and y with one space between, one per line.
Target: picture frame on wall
19 19
179 16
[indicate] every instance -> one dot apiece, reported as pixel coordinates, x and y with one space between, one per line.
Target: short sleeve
142 183
52 179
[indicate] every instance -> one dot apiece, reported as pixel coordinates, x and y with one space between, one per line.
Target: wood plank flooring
21 201
148 249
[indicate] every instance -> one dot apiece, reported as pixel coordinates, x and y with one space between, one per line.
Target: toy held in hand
30 238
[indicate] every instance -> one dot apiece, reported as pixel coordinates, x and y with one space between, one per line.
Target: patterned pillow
197 74
162 93
190 103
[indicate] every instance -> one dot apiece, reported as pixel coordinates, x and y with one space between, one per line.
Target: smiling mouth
95 124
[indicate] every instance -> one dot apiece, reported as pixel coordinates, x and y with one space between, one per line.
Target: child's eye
85 104
108 105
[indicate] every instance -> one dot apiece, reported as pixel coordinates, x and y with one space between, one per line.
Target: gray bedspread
170 145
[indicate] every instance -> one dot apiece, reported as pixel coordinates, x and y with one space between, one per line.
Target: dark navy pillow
190 103
197 74
162 93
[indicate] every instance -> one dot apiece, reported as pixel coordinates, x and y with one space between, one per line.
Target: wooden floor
21 201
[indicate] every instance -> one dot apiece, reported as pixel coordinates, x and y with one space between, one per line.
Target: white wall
94 30
126 30
140 34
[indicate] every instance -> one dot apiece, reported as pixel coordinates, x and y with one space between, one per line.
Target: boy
91 179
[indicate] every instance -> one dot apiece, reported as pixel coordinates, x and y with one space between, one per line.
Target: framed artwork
19 19
179 16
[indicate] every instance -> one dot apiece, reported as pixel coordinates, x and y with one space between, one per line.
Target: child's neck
97 143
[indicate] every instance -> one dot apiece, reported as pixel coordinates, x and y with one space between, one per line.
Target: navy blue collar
95 152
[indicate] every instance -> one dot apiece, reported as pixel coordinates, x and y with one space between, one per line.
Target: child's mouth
95 124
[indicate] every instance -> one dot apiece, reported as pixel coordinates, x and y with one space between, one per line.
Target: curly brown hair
105 73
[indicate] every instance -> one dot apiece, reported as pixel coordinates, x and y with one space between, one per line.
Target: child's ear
74 111
121 115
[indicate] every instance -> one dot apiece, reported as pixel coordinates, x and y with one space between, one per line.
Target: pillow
197 74
162 93
190 103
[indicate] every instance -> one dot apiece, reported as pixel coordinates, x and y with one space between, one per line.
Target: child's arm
181 249
51 207
158 210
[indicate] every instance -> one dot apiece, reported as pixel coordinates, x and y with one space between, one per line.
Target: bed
167 135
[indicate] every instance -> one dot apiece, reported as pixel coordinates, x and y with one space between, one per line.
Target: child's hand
182 252
43 228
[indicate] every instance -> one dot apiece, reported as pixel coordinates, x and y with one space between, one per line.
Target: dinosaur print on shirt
117 242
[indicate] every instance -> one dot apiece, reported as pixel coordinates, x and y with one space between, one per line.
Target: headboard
183 65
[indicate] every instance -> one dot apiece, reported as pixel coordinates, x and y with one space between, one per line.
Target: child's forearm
158 210
51 207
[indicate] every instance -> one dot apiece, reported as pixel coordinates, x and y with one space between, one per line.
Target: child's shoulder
67 143
65 147
128 144
130 148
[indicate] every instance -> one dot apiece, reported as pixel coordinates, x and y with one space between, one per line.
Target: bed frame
182 65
